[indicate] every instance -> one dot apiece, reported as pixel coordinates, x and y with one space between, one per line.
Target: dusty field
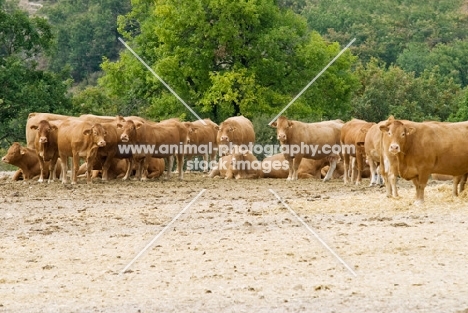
236 249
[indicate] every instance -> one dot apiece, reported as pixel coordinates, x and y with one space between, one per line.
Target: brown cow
118 168
415 150
160 140
26 159
221 169
34 119
236 130
202 138
46 146
77 139
239 164
276 166
352 140
372 147
308 140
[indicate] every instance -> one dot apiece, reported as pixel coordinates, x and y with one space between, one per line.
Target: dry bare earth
236 249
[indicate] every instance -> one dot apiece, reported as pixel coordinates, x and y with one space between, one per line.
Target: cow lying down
28 162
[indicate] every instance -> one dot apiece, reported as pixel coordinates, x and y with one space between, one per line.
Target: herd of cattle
389 149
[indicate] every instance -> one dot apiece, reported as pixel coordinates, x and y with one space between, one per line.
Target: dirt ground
236 249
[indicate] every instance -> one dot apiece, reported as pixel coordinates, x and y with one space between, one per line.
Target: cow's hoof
419 202
73 182
40 180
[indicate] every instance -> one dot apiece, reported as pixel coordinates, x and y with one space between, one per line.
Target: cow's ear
194 129
233 128
364 130
217 127
360 144
391 118
53 127
119 126
138 125
22 151
384 128
290 123
87 132
410 130
120 118
274 124
34 127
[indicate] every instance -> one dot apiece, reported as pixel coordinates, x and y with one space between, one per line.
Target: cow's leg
17 176
346 160
420 183
53 168
106 166
463 182
456 181
360 167
180 164
331 169
41 166
373 172
76 166
64 168
129 162
296 163
144 168
290 161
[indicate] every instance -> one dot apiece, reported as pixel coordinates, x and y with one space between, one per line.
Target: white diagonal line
314 233
161 80
313 80
161 232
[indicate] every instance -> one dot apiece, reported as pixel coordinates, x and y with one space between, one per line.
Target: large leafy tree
431 96
85 31
25 88
227 58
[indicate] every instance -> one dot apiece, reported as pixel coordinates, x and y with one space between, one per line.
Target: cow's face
283 126
14 153
395 135
44 128
128 131
225 132
97 133
191 133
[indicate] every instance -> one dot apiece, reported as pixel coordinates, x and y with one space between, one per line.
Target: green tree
431 96
227 58
26 89
85 32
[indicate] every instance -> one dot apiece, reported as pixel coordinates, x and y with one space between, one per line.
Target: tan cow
27 160
34 119
239 164
160 140
276 166
308 140
415 150
236 130
118 168
353 134
77 139
46 146
202 138
372 148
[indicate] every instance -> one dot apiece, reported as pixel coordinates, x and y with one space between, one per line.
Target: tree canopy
227 58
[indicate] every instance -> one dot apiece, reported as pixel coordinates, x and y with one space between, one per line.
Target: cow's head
44 128
14 153
225 131
191 131
283 126
395 134
98 134
128 129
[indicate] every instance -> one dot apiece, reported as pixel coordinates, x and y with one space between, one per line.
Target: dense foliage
24 87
